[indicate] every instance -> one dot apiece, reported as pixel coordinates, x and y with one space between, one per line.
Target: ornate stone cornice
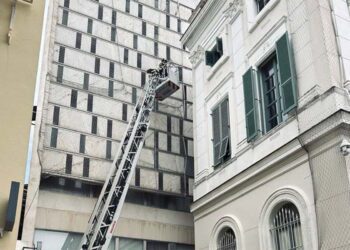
233 7
197 55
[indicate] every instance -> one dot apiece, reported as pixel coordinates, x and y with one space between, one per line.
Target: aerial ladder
162 83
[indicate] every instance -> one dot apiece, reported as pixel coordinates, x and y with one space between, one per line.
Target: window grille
227 240
286 229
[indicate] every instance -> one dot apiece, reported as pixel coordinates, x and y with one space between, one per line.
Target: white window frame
231 222
254 18
306 211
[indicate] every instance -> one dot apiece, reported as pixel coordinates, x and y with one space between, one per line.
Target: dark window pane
82 144
86 81
167 52
134 95
110 88
169 143
65 17
168 21
127 6
114 17
94 125
156 32
108 149
169 123
90 102
69 160
89 27
125 112
59 73
97 65
143 79
144 28
61 54
86 167
78 41
167 7
140 11
56 115
111 69
155 48
139 60
156 4
93 45
160 180
181 76
135 42
109 128
66 3
137 177
152 245
73 98
100 12
126 56
54 133
113 34
179 25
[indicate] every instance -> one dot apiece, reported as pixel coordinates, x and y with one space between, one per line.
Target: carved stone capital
233 7
197 55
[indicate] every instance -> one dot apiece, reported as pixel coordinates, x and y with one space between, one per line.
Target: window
93 45
130 244
156 4
137 177
90 102
156 50
114 17
97 65
260 4
65 17
226 240
89 27
100 12
61 54
69 160
144 28
56 115
111 69
140 11
285 228
108 149
135 42
109 128
53 141
168 21
86 81
66 3
167 52
86 166
276 88
181 80
139 60
113 33
127 6
82 144
134 95
167 7
143 79
179 25
110 88
73 98
213 55
156 32
221 132
126 56
59 73
94 125
160 181
125 112
78 41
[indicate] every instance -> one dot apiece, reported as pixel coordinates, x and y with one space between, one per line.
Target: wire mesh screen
286 229
227 240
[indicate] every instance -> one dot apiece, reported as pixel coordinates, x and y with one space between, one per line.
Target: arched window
226 240
286 228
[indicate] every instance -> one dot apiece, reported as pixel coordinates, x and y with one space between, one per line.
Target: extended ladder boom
109 204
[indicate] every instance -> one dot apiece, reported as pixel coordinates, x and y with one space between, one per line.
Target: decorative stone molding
197 55
233 8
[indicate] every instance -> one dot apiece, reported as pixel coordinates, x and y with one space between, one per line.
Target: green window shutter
219 47
249 101
287 85
209 58
216 135
225 129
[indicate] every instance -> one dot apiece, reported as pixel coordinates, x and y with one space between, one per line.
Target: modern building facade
20 35
97 53
271 124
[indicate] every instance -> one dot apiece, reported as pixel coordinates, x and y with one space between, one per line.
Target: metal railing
227 240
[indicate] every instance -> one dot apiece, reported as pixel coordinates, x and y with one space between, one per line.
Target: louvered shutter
216 134
249 101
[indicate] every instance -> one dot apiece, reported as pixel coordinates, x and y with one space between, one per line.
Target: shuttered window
213 55
221 132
